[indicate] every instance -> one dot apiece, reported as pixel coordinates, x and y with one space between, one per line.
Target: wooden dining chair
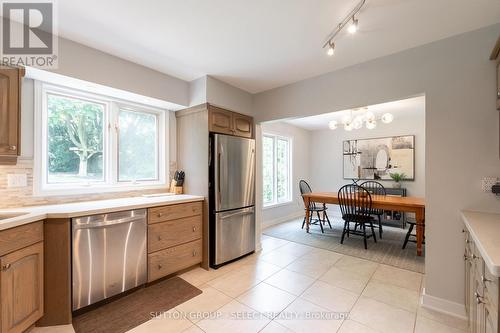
375 188
410 237
355 205
305 188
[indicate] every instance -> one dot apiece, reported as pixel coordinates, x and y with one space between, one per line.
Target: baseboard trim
443 305
282 219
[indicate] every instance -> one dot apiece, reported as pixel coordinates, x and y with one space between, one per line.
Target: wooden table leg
307 201
419 216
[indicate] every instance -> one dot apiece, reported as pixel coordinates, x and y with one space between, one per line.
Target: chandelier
365 119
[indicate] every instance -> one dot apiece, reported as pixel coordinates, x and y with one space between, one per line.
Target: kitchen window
276 158
92 143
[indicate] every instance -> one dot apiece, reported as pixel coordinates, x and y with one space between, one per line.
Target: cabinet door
9 111
490 319
243 125
220 120
21 288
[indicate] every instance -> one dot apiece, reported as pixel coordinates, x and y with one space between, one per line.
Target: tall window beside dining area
276 161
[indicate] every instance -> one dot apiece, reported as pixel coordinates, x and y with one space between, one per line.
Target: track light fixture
352 28
331 48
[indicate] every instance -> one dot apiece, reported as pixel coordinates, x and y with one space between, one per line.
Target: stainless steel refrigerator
232 198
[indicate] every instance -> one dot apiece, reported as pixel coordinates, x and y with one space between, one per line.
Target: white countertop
85 208
485 231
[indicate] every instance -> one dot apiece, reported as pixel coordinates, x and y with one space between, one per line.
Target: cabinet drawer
173 212
175 232
19 237
171 260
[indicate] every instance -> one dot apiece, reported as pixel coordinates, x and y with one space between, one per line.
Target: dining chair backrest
355 201
305 188
374 187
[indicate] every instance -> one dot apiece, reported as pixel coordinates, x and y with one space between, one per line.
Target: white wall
326 151
300 170
462 133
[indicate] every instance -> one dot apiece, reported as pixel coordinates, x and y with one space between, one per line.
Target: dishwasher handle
110 223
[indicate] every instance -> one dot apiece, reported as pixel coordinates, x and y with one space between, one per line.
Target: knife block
175 189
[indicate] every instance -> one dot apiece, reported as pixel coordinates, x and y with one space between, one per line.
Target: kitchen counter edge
485 230
70 210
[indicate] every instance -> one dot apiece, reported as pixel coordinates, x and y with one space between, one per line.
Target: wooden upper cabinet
243 125
220 120
10 112
21 288
229 122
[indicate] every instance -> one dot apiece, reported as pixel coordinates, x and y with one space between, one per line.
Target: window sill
276 205
96 189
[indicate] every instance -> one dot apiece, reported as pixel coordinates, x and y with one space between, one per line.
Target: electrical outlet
488 182
17 180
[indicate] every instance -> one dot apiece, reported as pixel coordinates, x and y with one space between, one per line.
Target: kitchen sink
5 216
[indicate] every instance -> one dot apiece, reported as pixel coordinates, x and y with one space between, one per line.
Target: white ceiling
399 109
261 44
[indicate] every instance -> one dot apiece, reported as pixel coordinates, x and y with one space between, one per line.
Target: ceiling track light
331 48
353 27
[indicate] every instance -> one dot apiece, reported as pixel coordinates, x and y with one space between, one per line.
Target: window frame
112 107
289 199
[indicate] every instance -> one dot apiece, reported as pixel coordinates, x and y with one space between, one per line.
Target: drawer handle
484 279
478 298
160 266
194 228
5 267
159 238
12 148
194 253
159 214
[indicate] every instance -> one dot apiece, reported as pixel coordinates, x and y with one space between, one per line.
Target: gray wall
85 63
462 129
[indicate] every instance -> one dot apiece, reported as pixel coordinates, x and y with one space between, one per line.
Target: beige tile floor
290 287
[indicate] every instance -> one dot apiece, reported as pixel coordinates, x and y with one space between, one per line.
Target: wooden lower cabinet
21 288
481 291
174 238
174 259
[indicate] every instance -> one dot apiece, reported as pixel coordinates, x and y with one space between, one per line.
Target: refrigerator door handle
219 157
246 211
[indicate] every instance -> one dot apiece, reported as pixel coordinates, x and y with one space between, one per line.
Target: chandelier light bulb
387 118
331 49
346 119
357 123
371 124
348 126
332 124
369 116
353 27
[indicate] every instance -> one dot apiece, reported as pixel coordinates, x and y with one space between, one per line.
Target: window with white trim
93 143
276 162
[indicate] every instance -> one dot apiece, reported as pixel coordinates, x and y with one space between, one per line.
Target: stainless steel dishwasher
109 255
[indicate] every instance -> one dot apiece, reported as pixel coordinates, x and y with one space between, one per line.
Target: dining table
385 202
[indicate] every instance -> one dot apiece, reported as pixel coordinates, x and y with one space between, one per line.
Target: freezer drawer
234 170
234 234
109 255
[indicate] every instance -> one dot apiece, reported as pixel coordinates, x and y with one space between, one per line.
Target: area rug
136 308
387 250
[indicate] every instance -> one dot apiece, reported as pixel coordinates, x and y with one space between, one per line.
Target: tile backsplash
23 196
